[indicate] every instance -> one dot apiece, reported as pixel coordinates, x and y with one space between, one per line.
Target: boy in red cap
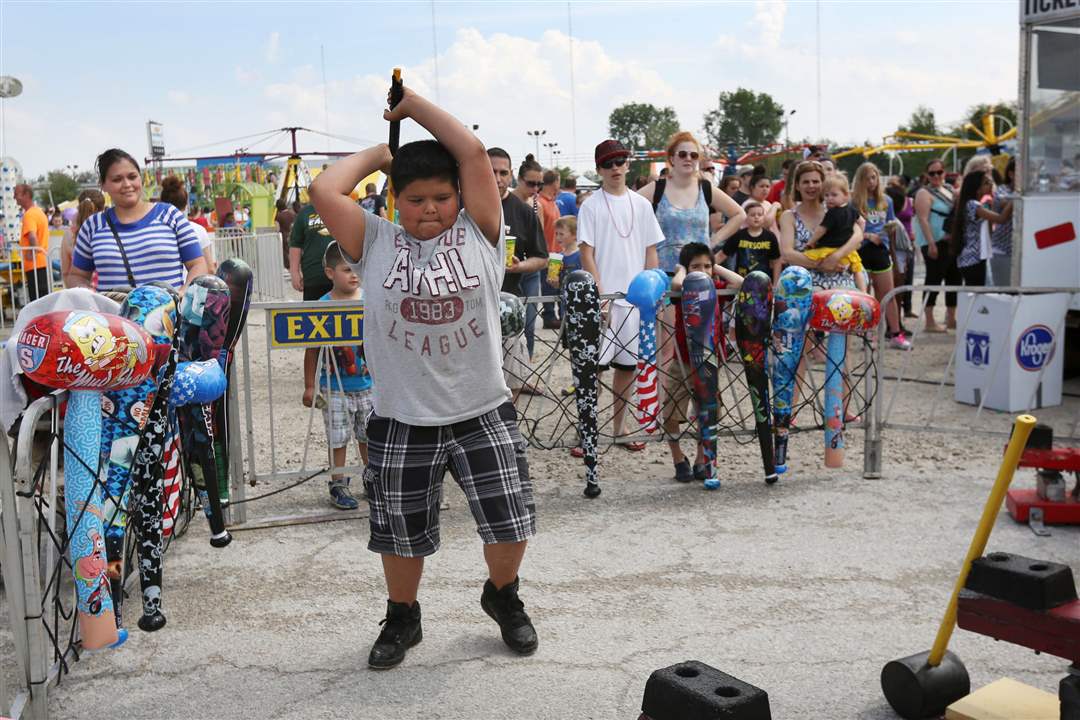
618 233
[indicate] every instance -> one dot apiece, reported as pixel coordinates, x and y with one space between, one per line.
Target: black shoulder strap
123 253
706 189
658 193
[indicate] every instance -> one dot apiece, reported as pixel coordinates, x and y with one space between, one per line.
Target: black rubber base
152 623
221 541
591 491
915 690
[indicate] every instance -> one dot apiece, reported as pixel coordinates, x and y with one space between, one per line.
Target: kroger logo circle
1035 347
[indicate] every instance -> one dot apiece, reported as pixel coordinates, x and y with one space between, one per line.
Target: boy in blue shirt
344 384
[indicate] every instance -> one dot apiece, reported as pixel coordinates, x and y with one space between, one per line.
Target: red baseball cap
610 149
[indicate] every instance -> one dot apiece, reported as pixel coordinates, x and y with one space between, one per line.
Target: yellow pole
1021 430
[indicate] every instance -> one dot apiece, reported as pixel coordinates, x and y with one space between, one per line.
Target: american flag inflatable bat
645 293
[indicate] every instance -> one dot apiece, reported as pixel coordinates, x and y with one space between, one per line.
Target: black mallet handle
397 90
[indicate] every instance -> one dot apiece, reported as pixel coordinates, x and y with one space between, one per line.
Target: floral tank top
680 226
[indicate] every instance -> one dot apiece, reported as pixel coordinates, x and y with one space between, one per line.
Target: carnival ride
251 176
991 134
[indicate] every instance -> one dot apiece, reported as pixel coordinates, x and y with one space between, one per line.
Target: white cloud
243 75
273 47
502 82
769 19
508 84
867 90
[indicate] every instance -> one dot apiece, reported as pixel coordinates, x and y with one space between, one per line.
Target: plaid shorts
346 415
404 476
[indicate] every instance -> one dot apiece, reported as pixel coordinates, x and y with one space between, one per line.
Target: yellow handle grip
1021 430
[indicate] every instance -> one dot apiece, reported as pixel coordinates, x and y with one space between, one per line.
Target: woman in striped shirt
135 239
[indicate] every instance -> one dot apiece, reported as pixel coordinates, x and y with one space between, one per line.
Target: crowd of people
432 387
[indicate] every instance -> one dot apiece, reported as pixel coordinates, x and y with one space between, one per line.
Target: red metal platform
1056 631
1020 503
1062 459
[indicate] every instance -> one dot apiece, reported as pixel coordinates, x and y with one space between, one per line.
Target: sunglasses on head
711 168
535 184
692 154
935 173
613 163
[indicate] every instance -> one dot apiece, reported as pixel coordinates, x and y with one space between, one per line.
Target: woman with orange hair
682 201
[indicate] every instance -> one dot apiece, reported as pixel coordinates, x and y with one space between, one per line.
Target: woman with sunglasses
683 209
530 180
933 204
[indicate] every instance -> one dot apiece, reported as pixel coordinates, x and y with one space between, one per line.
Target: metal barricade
936 371
18 287
262 250
28 495
284 447
37 572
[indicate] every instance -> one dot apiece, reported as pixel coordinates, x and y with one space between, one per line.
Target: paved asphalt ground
805 589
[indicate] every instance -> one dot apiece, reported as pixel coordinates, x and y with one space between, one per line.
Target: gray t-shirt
432 335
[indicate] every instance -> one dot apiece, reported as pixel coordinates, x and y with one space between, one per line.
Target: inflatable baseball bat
839 312
154 309
86 353
645 293
148 495
791 313
397 91
582 333
238 276
753 326
699 317
204 319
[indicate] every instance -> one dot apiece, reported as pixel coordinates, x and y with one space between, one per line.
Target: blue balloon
197 382
646 291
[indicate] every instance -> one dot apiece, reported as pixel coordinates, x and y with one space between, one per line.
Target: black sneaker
701 472
504 607
682 471
401 631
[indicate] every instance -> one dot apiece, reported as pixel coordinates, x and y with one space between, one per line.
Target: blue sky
93 73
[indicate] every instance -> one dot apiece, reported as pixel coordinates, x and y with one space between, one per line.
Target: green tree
59 185
1006 118
564 172
744 117
922 121
642 126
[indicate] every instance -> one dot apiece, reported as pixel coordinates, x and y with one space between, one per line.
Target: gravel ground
804 589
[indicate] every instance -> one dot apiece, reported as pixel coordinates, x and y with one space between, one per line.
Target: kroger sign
1035 347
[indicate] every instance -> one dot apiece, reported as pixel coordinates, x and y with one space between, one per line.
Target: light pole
551 152
73 170
555 158
536 134
9 87
787 138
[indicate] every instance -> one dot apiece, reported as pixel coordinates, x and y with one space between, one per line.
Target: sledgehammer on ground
923 685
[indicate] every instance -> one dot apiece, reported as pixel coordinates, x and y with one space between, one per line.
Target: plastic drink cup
554 268
511 242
